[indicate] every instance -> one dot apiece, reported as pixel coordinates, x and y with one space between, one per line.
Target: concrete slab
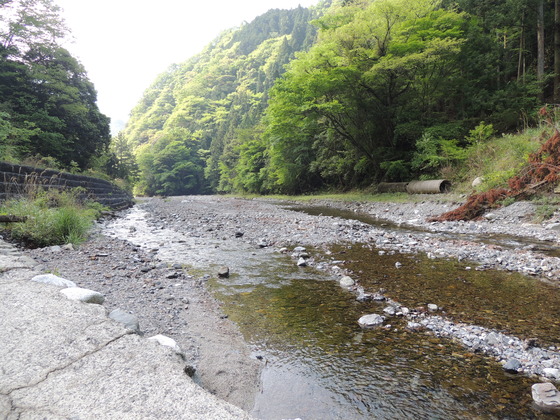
129 378
65 359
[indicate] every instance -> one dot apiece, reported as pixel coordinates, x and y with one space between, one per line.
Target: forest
338 96
48 107
343 95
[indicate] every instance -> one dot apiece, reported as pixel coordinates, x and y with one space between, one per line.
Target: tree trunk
540 47
540 41
556 51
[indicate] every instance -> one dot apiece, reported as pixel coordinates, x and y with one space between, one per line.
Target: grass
499 158
360 196
53 218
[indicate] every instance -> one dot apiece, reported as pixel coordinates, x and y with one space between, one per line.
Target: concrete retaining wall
16 180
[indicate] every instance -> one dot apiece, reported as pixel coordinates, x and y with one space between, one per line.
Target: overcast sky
125 44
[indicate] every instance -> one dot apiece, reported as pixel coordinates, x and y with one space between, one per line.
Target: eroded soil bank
159 270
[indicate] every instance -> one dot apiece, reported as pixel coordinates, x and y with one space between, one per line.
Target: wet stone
302 262
512 366
390 311
371 320
546 396
346 281
223 272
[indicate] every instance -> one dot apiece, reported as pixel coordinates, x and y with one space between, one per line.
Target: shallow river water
319 364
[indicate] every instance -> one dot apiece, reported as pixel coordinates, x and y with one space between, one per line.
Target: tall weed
52 218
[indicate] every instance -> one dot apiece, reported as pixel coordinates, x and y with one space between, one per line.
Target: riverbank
65 358
148 276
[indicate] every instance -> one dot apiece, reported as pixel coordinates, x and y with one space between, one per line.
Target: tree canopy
343 95
47 103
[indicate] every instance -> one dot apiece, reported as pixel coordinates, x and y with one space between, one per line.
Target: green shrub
52 218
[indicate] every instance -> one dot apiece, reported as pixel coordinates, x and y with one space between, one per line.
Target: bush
52 218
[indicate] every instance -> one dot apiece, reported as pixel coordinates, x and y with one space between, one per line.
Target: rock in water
390 310
371 320
546 396
302 262
223 272
83 295
512 366
346 281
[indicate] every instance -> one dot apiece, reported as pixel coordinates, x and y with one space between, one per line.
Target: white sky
125 44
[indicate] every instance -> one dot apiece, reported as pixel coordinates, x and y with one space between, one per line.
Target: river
318 362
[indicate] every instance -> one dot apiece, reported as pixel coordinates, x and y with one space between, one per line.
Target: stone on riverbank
546 396
83 295
128 320
553 373
371 320
54 280
166 341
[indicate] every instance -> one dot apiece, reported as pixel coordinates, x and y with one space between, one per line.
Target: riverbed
299 327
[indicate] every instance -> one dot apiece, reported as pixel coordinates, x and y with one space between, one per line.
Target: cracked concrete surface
66 359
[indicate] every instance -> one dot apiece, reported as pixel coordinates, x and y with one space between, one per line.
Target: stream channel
319 363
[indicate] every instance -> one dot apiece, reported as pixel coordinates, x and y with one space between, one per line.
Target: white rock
398 265
477 181
83 295
166 341
371 320
545 395
302 262
414 326
390 310
54 280
347 281
432 307
552 373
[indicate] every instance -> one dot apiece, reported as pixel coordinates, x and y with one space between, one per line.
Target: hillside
343 95
190 118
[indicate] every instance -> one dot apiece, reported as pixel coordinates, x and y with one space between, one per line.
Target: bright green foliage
389 90
173 165
436 153
384 67
216 96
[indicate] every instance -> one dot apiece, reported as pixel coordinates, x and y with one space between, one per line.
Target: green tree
45 89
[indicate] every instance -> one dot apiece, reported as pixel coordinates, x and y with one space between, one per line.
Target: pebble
546 396
166 341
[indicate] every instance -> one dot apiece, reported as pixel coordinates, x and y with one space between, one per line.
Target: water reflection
322 365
